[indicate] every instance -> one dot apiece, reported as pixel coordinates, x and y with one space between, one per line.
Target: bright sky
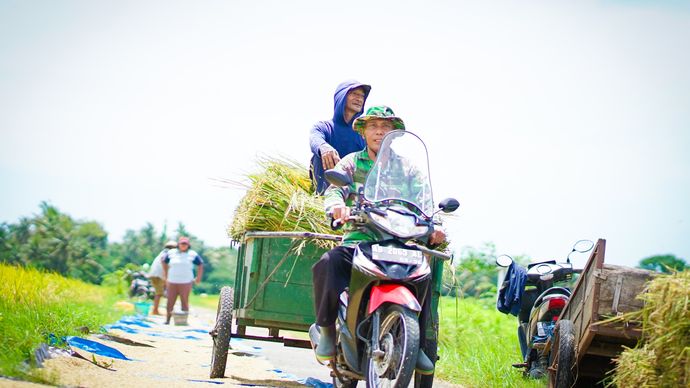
549 121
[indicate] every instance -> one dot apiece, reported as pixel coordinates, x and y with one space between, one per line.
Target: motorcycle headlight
401 225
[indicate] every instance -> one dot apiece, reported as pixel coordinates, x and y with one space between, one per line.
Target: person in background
178 273
156 275
335 137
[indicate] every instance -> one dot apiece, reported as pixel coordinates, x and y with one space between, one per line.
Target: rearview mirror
504 261
449 205
583 246
337 178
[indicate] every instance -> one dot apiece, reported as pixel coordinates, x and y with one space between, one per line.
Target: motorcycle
538 305
140 286
379 314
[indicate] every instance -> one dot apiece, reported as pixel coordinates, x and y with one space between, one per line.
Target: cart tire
427 381
565 375
400 331
222 331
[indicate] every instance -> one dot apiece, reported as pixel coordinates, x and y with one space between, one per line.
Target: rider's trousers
331 275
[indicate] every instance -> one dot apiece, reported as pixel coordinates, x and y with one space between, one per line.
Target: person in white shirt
156 276
178 272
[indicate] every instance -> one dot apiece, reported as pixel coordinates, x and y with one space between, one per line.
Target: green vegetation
204 300
35 305
664 263
475 274
54 241
478 344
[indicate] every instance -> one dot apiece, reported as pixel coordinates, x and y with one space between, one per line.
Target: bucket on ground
180 317
142 307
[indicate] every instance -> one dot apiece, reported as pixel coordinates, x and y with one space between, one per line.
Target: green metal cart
273 290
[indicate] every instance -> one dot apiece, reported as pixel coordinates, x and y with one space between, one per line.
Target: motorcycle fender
392 293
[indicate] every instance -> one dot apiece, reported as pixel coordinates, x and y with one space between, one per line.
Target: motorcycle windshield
401 172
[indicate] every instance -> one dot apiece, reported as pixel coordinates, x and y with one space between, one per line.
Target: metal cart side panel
275 282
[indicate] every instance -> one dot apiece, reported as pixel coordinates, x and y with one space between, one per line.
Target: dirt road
179 356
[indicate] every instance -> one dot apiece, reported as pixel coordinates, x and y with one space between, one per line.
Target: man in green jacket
331 274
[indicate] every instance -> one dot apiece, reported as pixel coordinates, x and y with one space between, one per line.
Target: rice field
35 305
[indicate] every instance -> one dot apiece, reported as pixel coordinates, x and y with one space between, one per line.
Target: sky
550 121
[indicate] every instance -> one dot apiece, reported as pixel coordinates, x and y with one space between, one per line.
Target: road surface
179 356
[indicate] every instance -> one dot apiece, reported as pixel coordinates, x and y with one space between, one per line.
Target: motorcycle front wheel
399 341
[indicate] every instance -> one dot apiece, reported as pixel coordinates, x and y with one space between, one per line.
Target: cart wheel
431 350
221 333
565 376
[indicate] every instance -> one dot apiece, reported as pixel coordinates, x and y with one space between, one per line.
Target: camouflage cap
378 112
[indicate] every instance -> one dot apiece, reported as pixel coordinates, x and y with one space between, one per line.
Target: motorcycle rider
331 274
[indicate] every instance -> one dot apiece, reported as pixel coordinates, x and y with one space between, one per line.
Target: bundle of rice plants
279 197
663 356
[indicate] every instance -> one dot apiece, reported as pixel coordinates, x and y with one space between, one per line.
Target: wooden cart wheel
565 371
221 333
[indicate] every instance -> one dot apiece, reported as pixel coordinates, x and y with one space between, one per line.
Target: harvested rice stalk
663 356
279 198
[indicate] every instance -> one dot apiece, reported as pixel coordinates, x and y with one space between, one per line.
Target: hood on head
340 98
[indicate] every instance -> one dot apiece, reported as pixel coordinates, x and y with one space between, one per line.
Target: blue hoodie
335 133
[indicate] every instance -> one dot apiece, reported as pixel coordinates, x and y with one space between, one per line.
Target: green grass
203 300
35 304
478 344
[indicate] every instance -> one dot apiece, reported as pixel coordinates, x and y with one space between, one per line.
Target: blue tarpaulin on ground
124 328
309 381
134 320
95 347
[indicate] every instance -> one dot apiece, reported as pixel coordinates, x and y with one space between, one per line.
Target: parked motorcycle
534 296
378 324
140 286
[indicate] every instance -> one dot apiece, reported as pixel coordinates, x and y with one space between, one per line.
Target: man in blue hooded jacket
329 140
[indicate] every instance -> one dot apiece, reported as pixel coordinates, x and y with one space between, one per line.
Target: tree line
54 241
476 274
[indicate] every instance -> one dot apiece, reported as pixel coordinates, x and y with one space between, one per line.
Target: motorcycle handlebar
337 224
439 254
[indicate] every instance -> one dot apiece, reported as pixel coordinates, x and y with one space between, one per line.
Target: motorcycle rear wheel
399 339
221 333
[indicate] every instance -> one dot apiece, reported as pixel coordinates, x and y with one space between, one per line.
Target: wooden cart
601 292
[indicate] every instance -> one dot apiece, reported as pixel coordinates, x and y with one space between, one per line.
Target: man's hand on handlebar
340 214
437 237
